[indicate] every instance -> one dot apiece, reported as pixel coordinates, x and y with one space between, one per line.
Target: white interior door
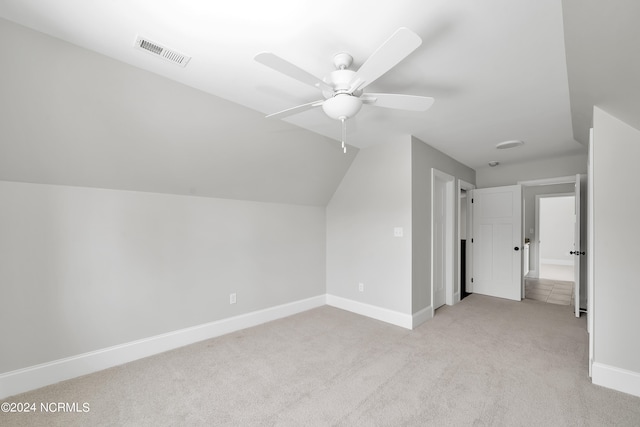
497 242
576 249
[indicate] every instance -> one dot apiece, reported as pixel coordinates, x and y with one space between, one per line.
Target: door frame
570 179
464 185
449 272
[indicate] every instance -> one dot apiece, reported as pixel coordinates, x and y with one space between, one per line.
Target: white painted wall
616 151
83 269
557 230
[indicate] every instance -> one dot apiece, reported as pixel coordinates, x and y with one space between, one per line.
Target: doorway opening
556 222
554 238
551 264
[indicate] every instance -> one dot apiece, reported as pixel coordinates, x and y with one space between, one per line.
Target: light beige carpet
482 362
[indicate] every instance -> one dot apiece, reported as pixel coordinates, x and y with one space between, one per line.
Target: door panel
497 219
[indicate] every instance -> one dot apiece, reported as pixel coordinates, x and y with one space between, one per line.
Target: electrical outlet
361 287
232 298
398 232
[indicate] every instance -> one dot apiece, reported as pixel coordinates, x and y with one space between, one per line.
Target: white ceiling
497 68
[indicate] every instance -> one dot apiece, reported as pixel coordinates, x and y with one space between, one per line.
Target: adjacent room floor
555 285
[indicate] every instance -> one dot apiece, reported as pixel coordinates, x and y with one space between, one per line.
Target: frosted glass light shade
342 106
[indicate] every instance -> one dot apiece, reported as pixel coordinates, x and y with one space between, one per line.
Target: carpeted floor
484 361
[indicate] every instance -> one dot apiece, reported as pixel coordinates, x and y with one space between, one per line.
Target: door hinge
471 240
472 280
471 200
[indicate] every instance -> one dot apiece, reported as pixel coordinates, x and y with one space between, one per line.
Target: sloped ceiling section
70 116
496 68
603 60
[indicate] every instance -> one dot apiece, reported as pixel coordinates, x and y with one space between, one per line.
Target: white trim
422 316
552 261
464 185
384 314
590 254
37 376
616 378
549 181
450 234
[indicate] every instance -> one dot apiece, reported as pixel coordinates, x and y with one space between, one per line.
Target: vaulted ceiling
81 106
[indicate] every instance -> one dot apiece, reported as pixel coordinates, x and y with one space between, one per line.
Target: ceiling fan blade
400 102
391 52
295 110
285 67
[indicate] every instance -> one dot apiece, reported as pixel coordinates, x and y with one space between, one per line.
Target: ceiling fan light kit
343 89
342 106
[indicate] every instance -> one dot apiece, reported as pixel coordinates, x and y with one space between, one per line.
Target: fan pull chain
344 134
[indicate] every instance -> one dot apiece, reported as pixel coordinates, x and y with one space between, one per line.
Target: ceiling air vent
162 51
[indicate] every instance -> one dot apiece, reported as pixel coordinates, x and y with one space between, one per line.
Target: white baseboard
30 378
378 313
616 378
422 316
552 261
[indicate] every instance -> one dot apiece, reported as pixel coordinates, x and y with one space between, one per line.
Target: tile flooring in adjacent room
549 290
555 286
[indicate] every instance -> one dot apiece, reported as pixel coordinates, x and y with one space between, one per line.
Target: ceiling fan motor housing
340 80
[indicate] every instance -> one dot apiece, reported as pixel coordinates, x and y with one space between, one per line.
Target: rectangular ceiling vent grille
162 51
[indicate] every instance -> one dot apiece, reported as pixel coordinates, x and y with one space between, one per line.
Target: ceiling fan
343 89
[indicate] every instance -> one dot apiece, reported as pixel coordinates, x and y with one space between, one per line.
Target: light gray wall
82 269
509 174
372 199
616 151
600 39
387 186
423 158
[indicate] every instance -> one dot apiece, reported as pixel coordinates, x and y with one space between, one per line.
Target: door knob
517 248
573 253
